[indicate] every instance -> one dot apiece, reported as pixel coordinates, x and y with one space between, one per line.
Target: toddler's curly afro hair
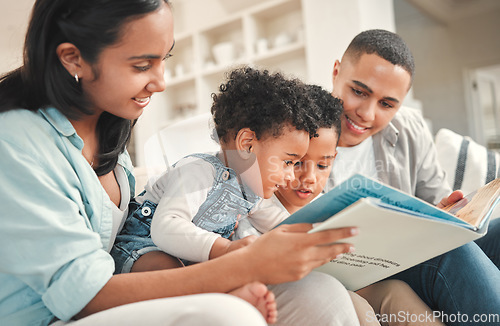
262 101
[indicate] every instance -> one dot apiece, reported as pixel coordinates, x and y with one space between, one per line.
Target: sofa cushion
468 165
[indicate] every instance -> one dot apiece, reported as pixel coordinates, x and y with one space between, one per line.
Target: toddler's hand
237 244
222 246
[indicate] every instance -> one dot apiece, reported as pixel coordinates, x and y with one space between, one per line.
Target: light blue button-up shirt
55 220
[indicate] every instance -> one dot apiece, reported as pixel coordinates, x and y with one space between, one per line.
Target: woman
90 68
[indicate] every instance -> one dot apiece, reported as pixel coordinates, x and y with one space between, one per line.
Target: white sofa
173 142
468 165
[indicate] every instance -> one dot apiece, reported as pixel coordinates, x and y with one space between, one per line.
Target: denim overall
219 212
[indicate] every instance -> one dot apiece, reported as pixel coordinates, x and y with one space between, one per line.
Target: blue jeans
463 284
134 239
490 243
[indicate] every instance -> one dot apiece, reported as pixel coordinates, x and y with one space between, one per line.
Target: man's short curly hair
328 109
262 101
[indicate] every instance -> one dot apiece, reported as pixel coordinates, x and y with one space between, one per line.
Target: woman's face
129 72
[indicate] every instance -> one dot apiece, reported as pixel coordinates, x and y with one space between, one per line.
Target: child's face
132 70
276 158
372 90
311 173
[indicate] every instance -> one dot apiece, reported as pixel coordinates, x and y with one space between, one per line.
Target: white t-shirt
120 212
265 216
355 159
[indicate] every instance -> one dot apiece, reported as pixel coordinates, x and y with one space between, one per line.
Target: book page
476 206
388 242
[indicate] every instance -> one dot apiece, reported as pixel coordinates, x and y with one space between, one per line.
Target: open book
397 230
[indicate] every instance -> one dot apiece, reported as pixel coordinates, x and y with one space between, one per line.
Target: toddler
263 124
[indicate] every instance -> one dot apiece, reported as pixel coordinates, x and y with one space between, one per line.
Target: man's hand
451 199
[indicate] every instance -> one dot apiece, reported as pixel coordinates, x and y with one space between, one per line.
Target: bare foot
260 297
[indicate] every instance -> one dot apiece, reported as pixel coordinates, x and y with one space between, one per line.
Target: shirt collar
58 121
390 134
62 125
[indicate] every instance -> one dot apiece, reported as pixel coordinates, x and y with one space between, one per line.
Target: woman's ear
70 58
244 141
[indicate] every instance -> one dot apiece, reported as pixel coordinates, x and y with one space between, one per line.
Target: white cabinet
272 34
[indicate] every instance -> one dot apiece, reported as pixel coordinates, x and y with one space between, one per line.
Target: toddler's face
311 172
276 158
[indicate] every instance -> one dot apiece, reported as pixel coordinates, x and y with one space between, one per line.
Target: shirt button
225 175
146 211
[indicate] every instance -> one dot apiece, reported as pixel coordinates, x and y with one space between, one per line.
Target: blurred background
456 44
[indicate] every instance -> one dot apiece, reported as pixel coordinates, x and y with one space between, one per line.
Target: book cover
397 230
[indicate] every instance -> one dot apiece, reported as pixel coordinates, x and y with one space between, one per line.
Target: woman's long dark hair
42 81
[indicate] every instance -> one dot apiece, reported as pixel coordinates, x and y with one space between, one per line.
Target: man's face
373 90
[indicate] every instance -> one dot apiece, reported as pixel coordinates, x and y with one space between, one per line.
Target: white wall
342 19
444 52
14 17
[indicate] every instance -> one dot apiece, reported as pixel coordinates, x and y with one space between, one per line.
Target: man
381 139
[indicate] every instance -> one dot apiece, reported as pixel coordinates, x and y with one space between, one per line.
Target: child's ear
70 58
244 142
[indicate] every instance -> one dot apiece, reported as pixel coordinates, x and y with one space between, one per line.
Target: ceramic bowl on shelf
282 40
223 52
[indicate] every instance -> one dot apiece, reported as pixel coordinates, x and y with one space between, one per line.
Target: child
263 126
311 174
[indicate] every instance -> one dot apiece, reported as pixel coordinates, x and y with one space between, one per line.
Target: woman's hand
289 253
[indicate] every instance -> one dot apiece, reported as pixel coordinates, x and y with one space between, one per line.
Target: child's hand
222 246
235 225
237 244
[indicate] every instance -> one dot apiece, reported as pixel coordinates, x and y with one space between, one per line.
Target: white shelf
197 70
193 73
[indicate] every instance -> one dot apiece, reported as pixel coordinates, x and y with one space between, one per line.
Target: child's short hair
328 109
262 101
